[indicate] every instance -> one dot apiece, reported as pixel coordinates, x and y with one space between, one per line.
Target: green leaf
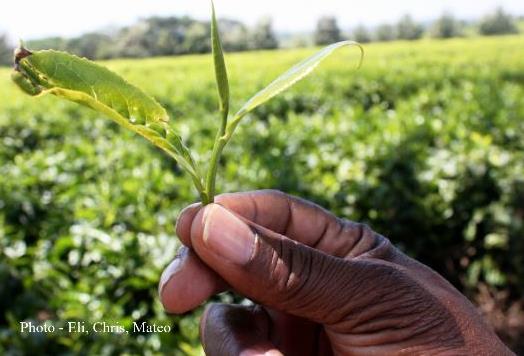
92 85
292 76
220 66
223 99
25 84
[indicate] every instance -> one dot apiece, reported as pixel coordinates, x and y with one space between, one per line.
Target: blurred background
425 143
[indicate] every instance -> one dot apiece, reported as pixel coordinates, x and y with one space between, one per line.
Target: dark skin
321 285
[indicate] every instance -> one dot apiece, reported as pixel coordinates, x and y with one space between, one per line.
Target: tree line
446 26
156 36
165 36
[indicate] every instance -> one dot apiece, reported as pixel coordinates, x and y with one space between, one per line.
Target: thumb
272 269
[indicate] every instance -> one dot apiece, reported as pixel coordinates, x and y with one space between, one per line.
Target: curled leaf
25 84
92 85
50 70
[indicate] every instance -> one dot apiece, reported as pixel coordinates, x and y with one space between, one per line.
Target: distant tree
327 31
90 45
446 26
262 36
385 32
158 36
234 35
407 29
132 42
498 23
154 36
196 39
361 34
6 52
58 43
167 35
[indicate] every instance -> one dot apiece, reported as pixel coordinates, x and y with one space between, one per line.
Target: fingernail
172 269
227 235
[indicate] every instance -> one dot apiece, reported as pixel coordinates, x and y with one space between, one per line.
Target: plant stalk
218 147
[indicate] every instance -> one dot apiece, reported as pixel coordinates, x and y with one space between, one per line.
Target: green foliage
498 23
424 143
327 31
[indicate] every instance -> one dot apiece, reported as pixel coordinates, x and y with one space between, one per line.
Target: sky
30 19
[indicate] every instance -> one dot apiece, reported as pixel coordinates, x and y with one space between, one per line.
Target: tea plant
89 84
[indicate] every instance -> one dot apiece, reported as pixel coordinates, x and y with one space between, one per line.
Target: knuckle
289 270
304 282
283 273
361 239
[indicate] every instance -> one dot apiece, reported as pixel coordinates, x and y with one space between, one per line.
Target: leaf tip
362 53
212 8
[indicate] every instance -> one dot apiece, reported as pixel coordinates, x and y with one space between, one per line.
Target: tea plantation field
425 143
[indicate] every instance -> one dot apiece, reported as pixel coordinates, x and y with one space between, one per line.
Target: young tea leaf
292 76
220 66
223 98
87 83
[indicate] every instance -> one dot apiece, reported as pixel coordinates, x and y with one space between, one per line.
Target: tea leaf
223 96
292 76
92 85
25 84
220 66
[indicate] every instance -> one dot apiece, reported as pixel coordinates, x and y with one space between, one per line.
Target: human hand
323 285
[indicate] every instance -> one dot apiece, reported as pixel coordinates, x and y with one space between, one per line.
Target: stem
218 147
193 171
203 197
230 129
200 187
222 138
